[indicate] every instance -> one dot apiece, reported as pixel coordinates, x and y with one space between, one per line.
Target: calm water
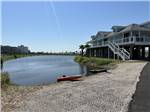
38 70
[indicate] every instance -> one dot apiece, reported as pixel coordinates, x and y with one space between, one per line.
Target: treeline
11 50
54 53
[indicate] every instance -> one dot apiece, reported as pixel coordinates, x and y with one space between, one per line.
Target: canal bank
104 92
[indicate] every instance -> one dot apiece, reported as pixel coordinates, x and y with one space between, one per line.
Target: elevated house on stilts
124 42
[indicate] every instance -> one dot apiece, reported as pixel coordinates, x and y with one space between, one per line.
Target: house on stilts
124 42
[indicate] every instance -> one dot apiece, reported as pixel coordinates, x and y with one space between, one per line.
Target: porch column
97 52
139 34
133 39
90 52
103 53
131 52
149 52
143 52
108 53
94 52
138 52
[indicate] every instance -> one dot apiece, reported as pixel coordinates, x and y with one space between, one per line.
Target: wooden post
91 52
143 52
138 52
131 51
131 33
149 52
108 52
114 56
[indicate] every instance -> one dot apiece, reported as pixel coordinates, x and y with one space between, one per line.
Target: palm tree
87 46
82 48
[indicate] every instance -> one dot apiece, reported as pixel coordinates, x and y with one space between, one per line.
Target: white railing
127 40
119 51
126 53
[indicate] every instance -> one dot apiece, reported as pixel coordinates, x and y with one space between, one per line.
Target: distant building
125 42
14 50
23 49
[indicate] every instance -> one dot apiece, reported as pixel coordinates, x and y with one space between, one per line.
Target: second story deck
125 35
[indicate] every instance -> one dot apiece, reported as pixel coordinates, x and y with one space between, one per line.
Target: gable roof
134 27
145 23
103 32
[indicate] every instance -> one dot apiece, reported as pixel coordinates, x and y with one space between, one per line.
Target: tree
86 46
82 48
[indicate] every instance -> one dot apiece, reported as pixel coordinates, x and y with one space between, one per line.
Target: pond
39 70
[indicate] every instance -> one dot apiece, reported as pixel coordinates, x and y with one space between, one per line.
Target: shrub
93 61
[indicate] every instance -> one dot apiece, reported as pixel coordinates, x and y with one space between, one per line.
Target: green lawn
94 61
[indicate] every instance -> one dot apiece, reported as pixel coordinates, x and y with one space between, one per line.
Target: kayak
69 78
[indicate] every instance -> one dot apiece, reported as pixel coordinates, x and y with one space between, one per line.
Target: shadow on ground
141 98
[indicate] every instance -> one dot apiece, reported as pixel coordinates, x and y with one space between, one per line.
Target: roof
118 26
93 37
147 22
134 27
122 29
112 34
105 33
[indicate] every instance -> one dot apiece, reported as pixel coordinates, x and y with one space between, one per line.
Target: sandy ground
103 92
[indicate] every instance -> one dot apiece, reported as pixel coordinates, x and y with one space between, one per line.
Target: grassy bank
5 80
14 56
94 62
11 94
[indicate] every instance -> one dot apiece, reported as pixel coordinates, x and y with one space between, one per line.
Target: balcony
124 41
133 40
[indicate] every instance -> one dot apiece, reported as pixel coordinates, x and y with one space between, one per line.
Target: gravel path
104 92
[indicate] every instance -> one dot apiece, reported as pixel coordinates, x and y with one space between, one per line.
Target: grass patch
14 56
94 62
5 80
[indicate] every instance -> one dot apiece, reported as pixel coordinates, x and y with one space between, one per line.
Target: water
37 70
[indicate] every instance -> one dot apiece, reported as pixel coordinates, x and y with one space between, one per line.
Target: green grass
9 57
93 61
5 79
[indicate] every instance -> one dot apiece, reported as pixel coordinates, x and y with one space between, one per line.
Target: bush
93 61
5 79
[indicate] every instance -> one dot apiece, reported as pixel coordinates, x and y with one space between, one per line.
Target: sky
62 26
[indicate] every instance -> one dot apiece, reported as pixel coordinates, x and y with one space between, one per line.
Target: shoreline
95 80
30 55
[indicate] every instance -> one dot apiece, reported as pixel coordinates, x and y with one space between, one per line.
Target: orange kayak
69 78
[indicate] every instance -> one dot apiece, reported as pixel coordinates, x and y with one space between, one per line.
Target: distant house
125 42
